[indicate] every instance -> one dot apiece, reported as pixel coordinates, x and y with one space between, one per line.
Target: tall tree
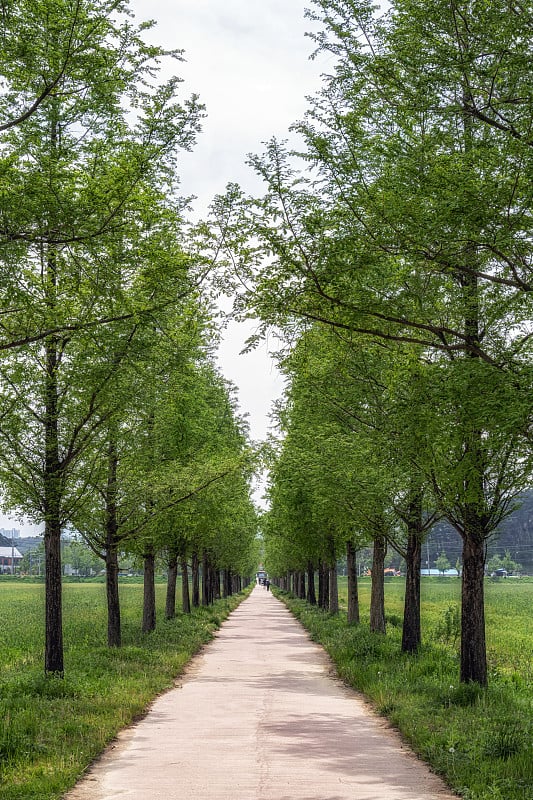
87 173
413 225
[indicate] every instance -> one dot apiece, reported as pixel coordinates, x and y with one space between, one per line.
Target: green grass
480 741
51 729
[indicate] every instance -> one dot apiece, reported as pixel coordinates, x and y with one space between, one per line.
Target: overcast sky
249 62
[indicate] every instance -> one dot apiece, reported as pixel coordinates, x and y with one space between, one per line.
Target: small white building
448 573
10 558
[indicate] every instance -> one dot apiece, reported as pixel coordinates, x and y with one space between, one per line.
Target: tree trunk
333 584
205 579
53 659
333 590
170 603
148 623
54 613
114 634
311 596
475 517
353 593
185 598
301 593
377 598
473 645
325 589
412 631
321 603
195 568
227 583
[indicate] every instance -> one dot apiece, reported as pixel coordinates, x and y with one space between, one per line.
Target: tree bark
205 579
195 568
114 633
213 583
325 586
377 598
333 583
321 602
473 645
185 597
333 590
412 631
54 612
170 603
475 518
311 596
353 593
53 662
148 623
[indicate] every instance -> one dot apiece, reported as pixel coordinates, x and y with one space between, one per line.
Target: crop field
508 612
481 741
51 729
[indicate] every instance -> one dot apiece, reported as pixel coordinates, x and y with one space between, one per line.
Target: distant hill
515 535
26 543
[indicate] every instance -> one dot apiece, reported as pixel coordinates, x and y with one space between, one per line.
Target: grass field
51 729
480 741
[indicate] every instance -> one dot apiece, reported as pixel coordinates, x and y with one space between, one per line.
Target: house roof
7 552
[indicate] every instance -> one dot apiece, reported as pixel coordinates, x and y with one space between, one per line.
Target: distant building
10 533
10 558
449 573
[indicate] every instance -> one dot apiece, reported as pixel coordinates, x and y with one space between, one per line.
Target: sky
249 61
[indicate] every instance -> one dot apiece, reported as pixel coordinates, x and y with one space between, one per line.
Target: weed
508 738
394 619
448 630
464 694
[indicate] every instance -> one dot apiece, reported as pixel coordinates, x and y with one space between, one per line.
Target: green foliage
448 630
503 562
442 563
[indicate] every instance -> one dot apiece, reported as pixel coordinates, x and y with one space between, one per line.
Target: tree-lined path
258 715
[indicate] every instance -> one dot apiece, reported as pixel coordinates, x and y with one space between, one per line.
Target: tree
412 224
80 558
82 224
442 563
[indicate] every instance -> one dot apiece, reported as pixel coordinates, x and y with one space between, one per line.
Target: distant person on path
267 584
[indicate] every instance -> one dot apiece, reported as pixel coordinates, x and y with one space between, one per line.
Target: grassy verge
481 742
51 729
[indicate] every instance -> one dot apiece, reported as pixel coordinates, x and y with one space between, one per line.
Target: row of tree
395 249
113 418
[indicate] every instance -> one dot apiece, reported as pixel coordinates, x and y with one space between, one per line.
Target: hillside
514 535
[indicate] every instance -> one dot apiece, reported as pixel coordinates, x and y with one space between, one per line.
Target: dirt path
258 716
